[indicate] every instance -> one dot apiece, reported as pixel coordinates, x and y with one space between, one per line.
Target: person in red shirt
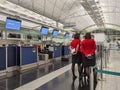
76 54
88 47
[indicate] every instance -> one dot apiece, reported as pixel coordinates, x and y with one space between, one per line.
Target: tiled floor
111 82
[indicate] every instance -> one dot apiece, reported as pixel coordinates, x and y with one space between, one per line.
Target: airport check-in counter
46 56
2 61
57 52
11 58
65 51
8 59
27 57
43 58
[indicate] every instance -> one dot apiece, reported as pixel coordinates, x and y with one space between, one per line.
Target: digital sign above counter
13 24
44 30
67 35
55 33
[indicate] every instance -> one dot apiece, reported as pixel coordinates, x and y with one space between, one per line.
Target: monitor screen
66 35
12 24
44 30
55 33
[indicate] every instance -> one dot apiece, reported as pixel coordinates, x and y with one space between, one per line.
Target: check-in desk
57 52
65 51
3 64
8 59
27 57
12 58
45 57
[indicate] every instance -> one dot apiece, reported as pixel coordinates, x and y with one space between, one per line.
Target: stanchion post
101 61
108 54
105 58
91 79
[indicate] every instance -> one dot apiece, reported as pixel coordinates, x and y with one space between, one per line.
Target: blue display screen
13 24
55 33
44 31
66 35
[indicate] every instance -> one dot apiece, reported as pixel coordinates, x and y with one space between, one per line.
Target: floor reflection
19 79
66 82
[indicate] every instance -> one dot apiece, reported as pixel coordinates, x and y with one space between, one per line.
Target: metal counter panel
2 58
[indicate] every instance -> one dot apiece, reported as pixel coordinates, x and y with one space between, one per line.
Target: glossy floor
111 82
66 82
18 79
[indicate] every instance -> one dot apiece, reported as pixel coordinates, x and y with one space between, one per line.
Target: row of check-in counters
21 58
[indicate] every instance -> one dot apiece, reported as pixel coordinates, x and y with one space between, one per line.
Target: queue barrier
107 72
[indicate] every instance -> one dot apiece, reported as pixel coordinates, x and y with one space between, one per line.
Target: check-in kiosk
27 57
2 61
43 58
65 53
57 52
12 58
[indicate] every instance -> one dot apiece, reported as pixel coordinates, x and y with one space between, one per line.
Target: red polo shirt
74 44
88 46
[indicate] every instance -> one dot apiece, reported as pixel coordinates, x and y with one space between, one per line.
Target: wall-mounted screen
66 35
55 33
44 30
12 24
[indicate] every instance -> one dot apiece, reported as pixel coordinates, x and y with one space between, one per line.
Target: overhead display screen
55 33
12 24
66 35
44 30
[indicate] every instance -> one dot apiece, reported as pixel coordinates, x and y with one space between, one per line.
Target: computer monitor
44 30
55 33
66 35
13 24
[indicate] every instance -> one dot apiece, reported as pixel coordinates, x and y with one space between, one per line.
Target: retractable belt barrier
107 72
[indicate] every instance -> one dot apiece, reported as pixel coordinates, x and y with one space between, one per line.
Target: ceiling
77 13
